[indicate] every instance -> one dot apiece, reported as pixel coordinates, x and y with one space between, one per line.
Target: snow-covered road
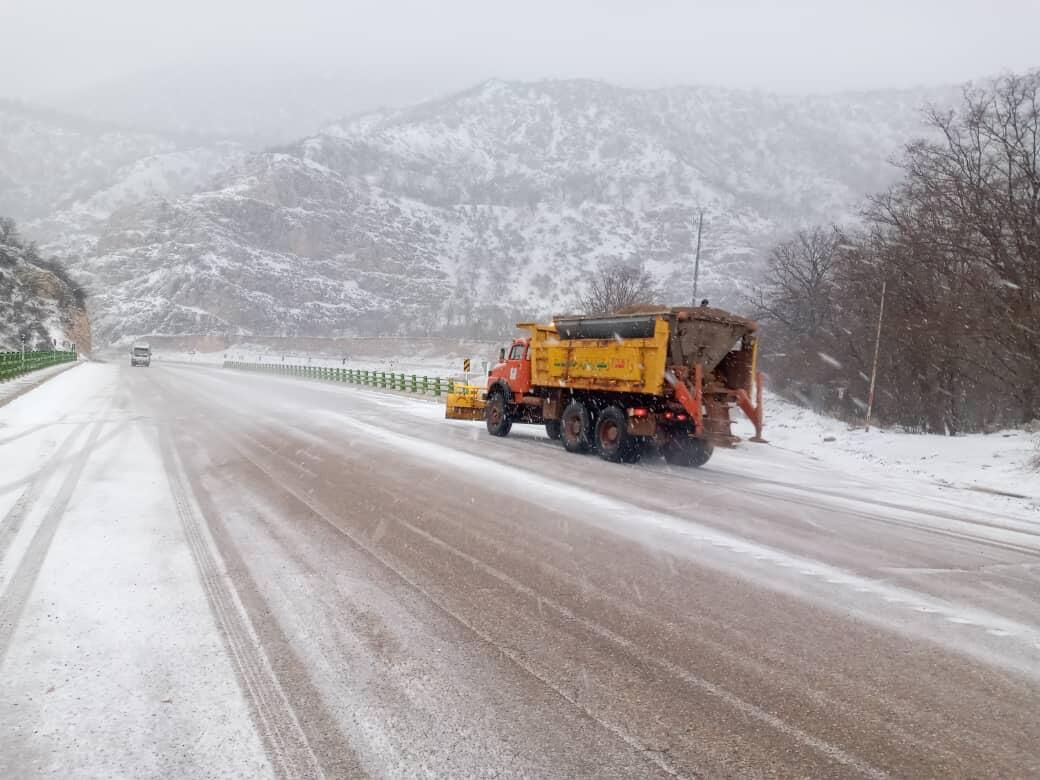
206 573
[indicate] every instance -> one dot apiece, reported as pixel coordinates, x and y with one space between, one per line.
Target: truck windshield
141 351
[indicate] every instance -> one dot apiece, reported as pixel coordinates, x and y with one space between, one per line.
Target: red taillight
669 416
638 412
681 417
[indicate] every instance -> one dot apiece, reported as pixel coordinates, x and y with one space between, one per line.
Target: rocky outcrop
39 301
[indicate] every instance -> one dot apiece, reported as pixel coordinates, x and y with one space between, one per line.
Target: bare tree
799 283
957 244
965 225
616 286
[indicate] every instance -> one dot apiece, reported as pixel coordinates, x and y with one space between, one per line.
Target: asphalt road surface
214 573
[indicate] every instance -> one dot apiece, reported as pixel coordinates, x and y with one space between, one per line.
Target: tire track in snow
11 523
746 708
768 717
16 595
812 576
13 485
830 578
510 654
27 432
287 738
832 752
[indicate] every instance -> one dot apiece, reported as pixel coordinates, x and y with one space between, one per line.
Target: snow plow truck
617 384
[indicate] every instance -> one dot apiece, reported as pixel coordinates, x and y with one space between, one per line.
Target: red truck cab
513 370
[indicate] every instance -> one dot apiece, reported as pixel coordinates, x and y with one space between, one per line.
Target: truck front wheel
576 428
498 422
684 450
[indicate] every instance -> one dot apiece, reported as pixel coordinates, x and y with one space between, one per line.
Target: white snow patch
983 463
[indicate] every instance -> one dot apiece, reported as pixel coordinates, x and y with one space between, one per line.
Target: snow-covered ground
996 463
111 663
217 573
25 382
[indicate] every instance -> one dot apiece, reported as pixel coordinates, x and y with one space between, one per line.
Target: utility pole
877 349
697 256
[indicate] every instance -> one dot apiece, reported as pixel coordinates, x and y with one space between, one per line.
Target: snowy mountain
462 214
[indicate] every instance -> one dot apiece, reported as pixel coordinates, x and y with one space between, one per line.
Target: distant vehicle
666 377
140 355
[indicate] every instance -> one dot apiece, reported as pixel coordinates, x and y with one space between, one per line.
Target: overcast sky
49 46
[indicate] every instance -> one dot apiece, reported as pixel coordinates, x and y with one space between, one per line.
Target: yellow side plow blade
465 403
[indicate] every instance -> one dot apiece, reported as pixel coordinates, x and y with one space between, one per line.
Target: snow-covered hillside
461 214
38 302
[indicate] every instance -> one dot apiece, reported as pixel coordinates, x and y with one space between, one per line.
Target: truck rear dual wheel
613 440
497 417
553 429
684 450
576 428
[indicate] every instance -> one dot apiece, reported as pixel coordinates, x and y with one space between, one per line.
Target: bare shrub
616 286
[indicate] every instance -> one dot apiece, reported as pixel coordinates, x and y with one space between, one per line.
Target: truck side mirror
502 355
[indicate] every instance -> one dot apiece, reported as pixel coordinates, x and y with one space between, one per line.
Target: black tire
553 429
496 416
686 451
576 428
613 440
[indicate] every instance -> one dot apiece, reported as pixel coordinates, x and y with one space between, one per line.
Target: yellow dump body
626 365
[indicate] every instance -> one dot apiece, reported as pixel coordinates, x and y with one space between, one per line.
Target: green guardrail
405 383
14 364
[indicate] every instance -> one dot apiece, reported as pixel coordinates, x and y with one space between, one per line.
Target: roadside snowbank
22 384
989 463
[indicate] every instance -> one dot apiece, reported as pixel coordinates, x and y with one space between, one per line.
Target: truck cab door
519 368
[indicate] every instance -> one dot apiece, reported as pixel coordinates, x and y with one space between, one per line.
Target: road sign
465 365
